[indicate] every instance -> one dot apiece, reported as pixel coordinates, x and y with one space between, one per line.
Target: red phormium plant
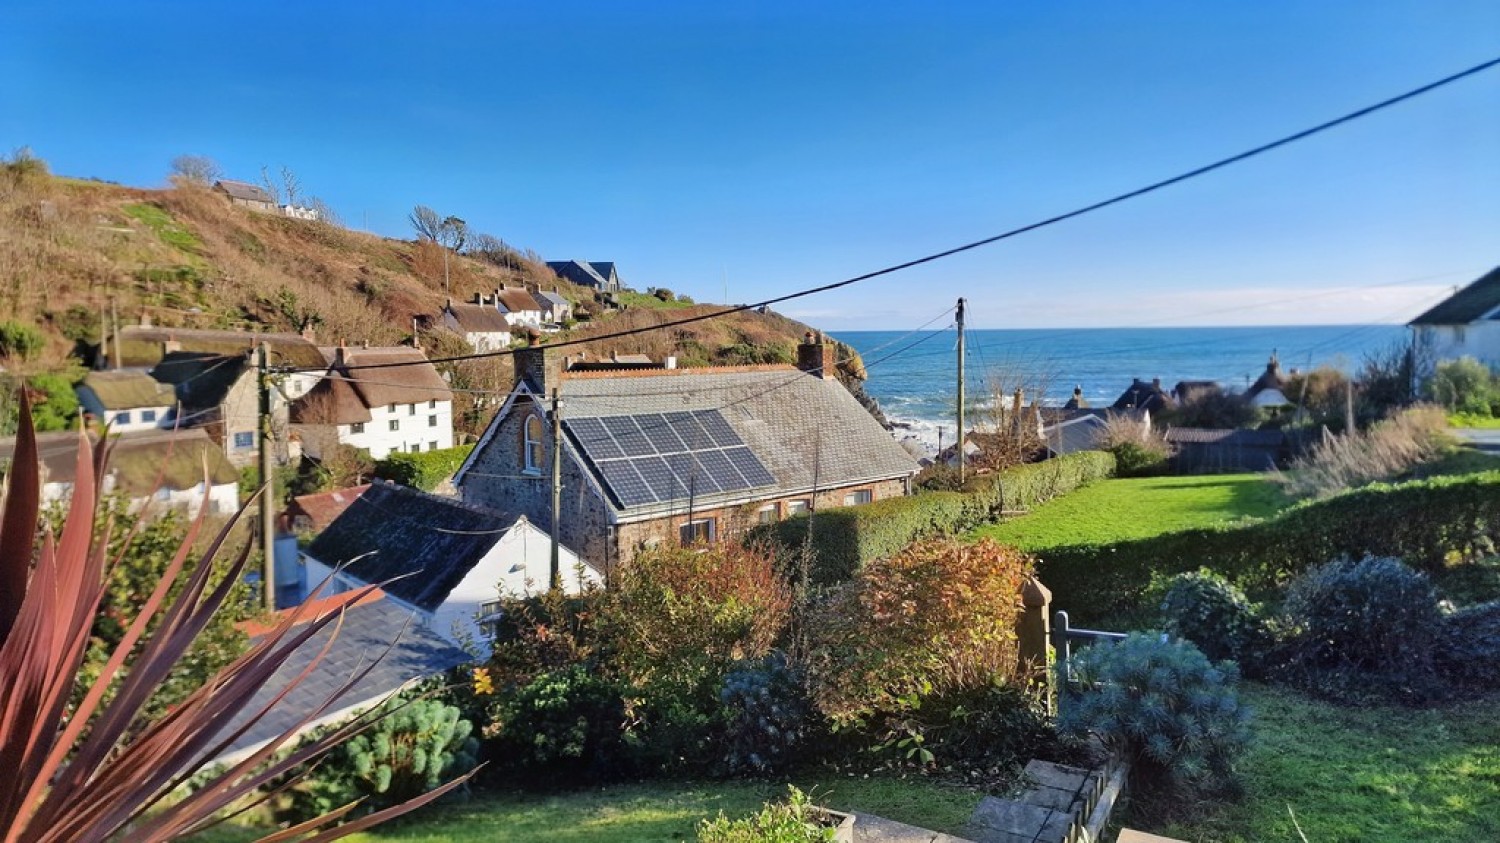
95 773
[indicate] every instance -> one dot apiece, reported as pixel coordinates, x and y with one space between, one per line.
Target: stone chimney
339 354
813 356
539 367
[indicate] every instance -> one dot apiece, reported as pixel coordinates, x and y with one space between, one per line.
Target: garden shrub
424 470
1464 385
1469 654
793 821
416 747
1166 708
1211 612
1139 459
564 725
1426 522
765 715
676 622
844 539
1363 629
937 617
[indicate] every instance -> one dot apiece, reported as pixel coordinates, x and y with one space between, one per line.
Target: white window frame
249 444
395 424
688 532
798 507
852 497
533 450
772 510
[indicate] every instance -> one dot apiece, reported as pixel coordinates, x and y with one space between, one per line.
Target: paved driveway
1485 440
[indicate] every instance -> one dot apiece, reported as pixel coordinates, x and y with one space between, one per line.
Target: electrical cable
1043 223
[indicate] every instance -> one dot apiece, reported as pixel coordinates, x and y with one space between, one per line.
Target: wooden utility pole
114 318
555 579
961 439
268 483
1349 407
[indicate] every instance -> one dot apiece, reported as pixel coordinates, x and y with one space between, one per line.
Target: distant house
157 468
299 212
1269 389
1080 433
213 375
1142 395
599 276
309 514
680 455
404 405
1186 391
519 307
247 195
373 631
481 324
1466 324
127 400
1204 450
454 560
556 309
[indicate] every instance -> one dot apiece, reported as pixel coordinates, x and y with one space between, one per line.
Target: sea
913 375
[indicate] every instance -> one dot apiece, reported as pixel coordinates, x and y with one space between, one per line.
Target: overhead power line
946 253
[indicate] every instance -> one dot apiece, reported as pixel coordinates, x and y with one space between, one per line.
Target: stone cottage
680 455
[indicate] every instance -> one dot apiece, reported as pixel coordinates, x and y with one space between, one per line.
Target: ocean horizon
914 375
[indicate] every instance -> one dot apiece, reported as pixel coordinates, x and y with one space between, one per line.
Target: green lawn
1136 508
1368 774
659 811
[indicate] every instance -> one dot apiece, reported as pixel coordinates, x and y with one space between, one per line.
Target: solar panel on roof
749 467
626 483
661 458
690 431
719 430
628 435
593 438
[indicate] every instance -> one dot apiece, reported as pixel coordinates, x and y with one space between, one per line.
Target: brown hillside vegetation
185 257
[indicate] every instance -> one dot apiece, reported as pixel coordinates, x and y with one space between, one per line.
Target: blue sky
779 146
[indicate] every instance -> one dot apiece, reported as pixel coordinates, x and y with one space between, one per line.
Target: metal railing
1063 636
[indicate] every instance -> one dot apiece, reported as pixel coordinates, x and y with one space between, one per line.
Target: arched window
534 446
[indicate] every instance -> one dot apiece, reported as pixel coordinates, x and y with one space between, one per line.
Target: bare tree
325 212
270 184
195 169
290 184
426 222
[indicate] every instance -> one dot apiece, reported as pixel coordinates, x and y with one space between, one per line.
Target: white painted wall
1436 343
223 499
419 427
518 563
135 419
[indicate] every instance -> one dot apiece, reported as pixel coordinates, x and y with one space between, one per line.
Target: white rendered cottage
404 405
454 560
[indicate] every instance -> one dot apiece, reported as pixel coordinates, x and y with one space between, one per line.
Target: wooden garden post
1034 637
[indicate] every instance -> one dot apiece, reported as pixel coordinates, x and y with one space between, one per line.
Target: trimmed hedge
1423 522
844 539
423 470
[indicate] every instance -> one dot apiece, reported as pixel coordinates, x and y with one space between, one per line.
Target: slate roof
1143 395
1077 434
478 318
582 273
141 345
367 630
245 191
1467 305
807 431
1237 437
555 300
125 389
321 509
406 531
202 379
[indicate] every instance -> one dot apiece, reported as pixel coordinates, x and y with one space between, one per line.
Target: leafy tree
21 342
1464 385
